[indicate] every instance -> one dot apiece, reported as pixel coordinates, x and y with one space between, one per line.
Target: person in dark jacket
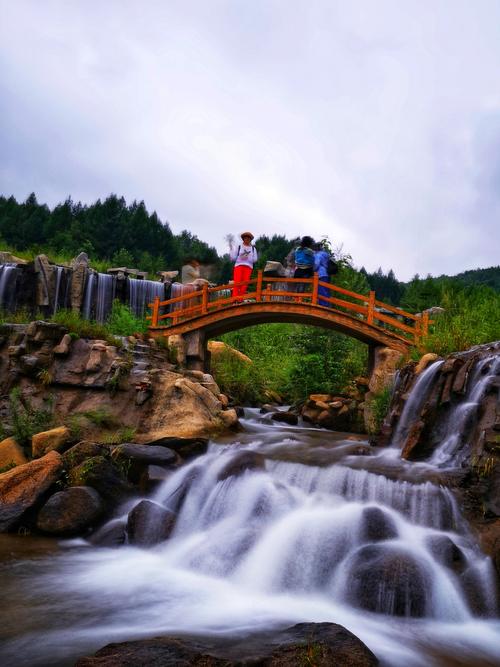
304 261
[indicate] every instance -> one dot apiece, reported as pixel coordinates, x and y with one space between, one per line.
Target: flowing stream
317 533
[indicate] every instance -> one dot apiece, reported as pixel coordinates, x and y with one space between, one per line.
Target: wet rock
242 461
186 447
377 525
389 581
152 477
446 552
268 407
285 417
314 644
147 454
149 523
11 453
71 511
229 418
425 361
81 451
47 441
25 486
103 476
112 534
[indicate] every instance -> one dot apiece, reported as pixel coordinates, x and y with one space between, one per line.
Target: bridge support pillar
196 350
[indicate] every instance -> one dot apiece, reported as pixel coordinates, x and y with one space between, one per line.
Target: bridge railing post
425 323
204 299
371 307
315 284
155 311
258 291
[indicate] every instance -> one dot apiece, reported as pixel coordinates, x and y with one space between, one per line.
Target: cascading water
463 417
57 292
415 402
106 285
277 543
7 281
142 292
88 297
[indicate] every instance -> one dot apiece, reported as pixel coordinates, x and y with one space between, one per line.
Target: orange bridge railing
406 326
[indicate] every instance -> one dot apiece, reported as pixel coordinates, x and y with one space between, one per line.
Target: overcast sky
375 122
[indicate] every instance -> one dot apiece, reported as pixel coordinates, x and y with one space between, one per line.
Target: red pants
241 273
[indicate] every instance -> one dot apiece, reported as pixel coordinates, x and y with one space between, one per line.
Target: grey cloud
373 123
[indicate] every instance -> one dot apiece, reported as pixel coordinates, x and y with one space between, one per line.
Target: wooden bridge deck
215 310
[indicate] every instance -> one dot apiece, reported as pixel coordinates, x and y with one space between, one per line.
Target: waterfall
415 402
88 295
8 275
59 275
464 415
261 541
143 292
106 285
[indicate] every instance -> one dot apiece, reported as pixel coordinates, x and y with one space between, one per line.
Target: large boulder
135 459
24 487
47 441
11 454
315 644
103 476
146 454
285 417
112 534
219 349
377 525
71 511
389 581
186 447
149 523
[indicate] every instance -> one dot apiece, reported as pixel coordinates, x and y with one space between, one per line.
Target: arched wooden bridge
211 311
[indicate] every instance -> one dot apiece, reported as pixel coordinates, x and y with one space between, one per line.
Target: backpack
332 268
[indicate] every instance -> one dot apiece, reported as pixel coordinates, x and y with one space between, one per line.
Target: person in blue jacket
321 257
304 261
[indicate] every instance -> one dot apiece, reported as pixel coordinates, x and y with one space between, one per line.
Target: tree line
128 235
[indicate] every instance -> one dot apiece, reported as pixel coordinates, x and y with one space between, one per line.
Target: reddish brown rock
47 441
11 453
71 511
24 487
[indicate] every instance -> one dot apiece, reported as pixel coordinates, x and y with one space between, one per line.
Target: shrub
123 322
27 420
78 326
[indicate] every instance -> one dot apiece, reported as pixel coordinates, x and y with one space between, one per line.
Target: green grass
471 317
288 359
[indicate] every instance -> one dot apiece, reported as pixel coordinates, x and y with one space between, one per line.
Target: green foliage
110 231
82 328
100 417
379 404
471 317
125 434
7 467
123 322
290 360
26 420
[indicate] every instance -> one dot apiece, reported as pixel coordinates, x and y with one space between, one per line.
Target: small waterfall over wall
106 285
143 292
89 297
8 276
98 296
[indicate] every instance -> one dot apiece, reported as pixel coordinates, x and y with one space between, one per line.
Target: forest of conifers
115 233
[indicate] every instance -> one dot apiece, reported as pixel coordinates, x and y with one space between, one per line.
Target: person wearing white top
244 257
